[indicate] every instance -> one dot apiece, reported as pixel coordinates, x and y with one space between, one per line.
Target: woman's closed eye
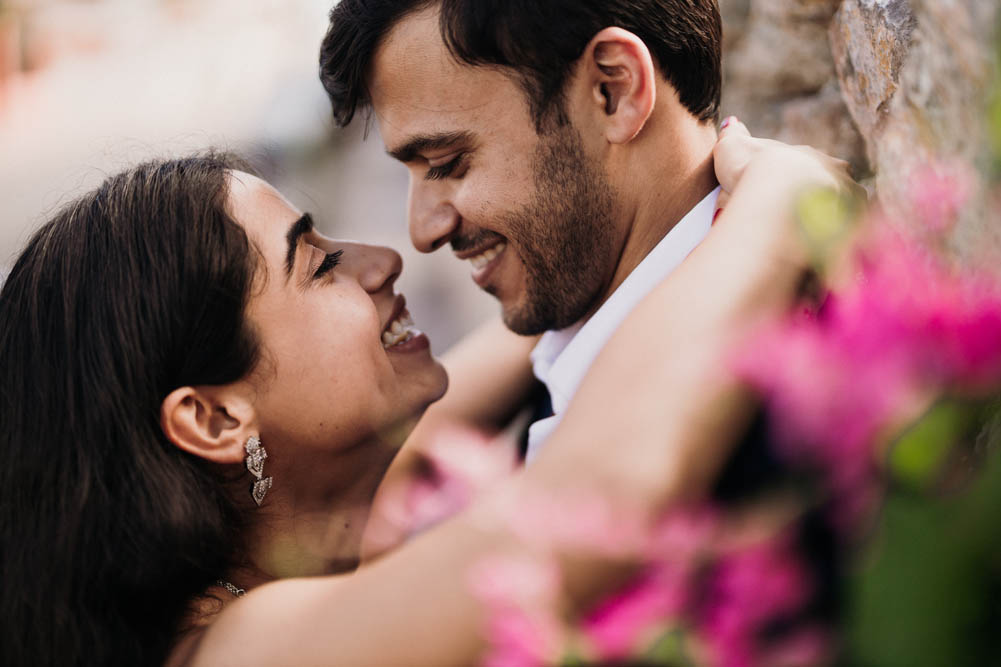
330 260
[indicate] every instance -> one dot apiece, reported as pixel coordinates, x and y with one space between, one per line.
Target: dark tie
542 408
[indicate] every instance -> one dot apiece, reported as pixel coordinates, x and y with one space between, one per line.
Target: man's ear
618 71
210 422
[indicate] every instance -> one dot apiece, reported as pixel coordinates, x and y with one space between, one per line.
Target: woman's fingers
721 202
730 157
733 152
736 149
732 125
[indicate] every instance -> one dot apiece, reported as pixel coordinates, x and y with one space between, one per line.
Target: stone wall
779 75
889 85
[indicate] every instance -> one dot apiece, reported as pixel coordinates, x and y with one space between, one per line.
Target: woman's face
340 362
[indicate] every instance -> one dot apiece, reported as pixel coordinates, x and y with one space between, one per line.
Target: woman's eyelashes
445 170
330 260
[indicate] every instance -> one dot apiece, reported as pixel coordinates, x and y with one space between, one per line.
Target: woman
199 395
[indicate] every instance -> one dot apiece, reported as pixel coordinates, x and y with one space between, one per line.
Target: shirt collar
562 358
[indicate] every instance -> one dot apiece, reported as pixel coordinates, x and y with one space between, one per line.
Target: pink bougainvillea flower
458 465
520 597
684 534
658 596
748 590
584 520
809 646
622 624
938 193
510 581
947 317
910 326
520 639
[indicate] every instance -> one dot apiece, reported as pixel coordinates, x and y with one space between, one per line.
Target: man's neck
674 187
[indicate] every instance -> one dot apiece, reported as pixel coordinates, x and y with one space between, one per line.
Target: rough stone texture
915 77
779 74
870 41
890 84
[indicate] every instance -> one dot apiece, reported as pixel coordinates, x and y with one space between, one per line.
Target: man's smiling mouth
480 261
484 251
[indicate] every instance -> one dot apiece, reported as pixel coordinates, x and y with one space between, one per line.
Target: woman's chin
442 385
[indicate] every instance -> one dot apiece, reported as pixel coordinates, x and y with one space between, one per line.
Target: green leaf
928 593
918 457
825 218
669 649
994 116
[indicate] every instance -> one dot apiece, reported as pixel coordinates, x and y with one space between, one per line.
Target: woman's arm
660 447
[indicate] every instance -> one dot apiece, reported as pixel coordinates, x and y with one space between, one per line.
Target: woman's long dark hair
107 530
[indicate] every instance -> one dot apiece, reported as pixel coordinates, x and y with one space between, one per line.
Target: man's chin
533 316
526 321
518 321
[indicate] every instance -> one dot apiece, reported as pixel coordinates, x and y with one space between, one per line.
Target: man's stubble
564 236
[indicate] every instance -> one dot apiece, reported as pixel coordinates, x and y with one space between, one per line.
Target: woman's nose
376 267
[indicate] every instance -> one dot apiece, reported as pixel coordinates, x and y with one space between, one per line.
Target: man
564 148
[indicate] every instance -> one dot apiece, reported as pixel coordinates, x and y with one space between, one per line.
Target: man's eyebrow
303 225
429 142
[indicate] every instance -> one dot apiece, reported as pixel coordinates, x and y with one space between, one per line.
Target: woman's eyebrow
303 225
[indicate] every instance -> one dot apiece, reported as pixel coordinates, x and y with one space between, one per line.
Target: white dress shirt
562 358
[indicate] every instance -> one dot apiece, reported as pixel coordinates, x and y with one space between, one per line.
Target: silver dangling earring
255 464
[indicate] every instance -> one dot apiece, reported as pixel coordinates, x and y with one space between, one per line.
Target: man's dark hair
540 41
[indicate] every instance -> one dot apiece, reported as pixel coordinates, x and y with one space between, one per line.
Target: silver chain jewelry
237 592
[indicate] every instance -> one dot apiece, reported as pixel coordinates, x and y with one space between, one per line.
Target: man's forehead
415 77
410 58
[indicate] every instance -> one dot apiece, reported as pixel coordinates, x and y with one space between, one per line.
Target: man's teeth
482 260
400 331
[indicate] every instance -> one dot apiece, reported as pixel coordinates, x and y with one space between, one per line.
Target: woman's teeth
482 260
400 331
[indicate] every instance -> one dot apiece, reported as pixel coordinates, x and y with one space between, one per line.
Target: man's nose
433 219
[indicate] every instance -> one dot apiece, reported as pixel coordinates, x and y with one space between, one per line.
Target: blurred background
89 86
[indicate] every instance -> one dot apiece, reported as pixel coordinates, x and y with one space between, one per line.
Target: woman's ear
210 422
619 74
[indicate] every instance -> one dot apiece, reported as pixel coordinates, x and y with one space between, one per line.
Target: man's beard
564 237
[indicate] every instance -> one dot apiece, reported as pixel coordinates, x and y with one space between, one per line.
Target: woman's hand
793 168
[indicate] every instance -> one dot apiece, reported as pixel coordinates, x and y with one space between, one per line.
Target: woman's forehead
259 208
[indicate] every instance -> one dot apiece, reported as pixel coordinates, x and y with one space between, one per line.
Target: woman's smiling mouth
400 334
399 330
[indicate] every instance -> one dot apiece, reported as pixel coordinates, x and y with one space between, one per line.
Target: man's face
532 213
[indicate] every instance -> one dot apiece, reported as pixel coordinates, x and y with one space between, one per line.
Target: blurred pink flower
619 626
582 521
748 590
658 596
909 326
809 646
507 581
520 597
683 535
458 465
938 193
519 639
